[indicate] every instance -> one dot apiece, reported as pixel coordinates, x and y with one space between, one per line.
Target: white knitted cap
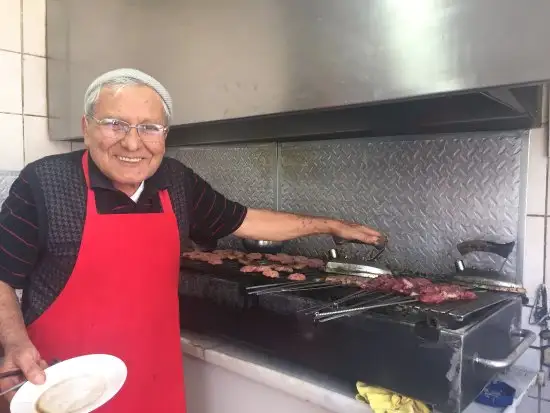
132 75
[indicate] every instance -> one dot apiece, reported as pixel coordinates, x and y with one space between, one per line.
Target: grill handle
379 246
504 250
528 338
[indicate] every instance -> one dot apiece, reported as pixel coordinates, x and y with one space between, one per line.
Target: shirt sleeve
212 215
19 234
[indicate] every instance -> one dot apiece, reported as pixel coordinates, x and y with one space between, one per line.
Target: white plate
109 368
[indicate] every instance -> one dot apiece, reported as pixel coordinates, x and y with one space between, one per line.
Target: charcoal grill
443 354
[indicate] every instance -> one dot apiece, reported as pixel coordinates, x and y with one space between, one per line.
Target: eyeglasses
118 129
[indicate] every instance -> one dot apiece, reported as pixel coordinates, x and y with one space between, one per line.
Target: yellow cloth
386 401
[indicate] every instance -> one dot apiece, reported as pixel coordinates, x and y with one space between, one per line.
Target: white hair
120 78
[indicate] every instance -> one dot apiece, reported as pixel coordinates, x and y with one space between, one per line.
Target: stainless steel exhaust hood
264 69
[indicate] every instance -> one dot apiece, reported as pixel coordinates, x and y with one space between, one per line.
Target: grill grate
290 302
460 310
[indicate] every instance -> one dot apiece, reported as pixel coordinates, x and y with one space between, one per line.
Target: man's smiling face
126 158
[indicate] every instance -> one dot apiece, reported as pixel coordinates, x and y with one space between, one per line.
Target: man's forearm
282 226
12 326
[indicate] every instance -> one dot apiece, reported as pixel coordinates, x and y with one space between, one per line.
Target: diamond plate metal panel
246 174
6 180
427 195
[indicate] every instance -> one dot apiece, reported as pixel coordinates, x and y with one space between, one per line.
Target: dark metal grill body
431 353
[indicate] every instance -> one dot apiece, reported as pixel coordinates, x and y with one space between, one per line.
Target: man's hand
25 357
356 232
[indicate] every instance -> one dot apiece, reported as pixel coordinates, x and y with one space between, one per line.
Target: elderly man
93 238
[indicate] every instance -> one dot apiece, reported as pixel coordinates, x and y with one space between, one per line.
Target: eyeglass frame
129 126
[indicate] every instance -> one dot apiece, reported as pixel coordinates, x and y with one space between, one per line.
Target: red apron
122 299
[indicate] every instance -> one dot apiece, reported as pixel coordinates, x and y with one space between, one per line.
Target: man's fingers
26 358
372 236
31 369
365 234
373 240
34 374
371 231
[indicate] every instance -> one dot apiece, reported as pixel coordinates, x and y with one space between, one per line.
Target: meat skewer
418 289
421 288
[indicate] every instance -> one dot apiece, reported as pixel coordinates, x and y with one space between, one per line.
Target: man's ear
84 126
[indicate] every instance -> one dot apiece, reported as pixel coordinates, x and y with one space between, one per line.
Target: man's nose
131 141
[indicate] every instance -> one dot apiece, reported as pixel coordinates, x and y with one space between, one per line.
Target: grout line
11 51
537 215
22 79
26 54
25 114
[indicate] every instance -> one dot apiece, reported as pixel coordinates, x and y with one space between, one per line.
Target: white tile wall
533 267
10 75
23 99
531 358
10 25
37 143
34 86
536 268
536 190
11 137
34 27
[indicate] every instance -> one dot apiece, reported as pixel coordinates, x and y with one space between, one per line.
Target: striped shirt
24 226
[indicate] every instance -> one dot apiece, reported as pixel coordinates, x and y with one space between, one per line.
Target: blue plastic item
497 394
